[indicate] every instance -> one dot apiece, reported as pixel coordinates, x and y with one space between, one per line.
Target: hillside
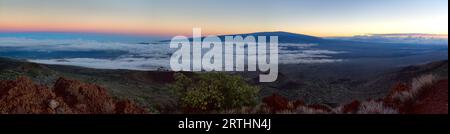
404 74
141 87
150 91
22 96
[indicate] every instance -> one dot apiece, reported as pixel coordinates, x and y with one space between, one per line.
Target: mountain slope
357 48
283 37
405 74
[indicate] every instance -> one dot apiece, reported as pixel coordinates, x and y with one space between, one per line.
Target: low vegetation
43 91
401 100
213 92
23 96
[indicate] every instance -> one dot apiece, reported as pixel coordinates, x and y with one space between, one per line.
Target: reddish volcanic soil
435 101
276 102
22 96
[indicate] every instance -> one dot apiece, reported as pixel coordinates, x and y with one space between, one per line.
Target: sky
177 17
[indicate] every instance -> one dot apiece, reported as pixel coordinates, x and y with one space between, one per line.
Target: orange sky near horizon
165 19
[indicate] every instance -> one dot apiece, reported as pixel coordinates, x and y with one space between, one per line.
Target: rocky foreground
429 97
22 96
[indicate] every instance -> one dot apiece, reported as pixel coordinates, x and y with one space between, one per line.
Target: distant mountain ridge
283 37
412 38
376 39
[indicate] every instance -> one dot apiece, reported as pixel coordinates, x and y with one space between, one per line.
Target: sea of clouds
136 56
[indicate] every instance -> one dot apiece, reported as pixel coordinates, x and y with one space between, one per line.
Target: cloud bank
136 56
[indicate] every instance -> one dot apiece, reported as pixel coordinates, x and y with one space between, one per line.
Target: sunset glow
178 17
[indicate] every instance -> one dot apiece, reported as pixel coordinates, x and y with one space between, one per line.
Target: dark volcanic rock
276 102
433 101
128 107
85 98
352 107
22 96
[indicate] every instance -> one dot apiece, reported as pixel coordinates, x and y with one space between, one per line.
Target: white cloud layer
144 56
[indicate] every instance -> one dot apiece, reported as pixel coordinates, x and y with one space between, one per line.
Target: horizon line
137 34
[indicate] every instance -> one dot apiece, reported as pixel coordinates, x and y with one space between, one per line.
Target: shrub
213 91
276 102
405 94
375 107
422 81
9 75
352 107
403 97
